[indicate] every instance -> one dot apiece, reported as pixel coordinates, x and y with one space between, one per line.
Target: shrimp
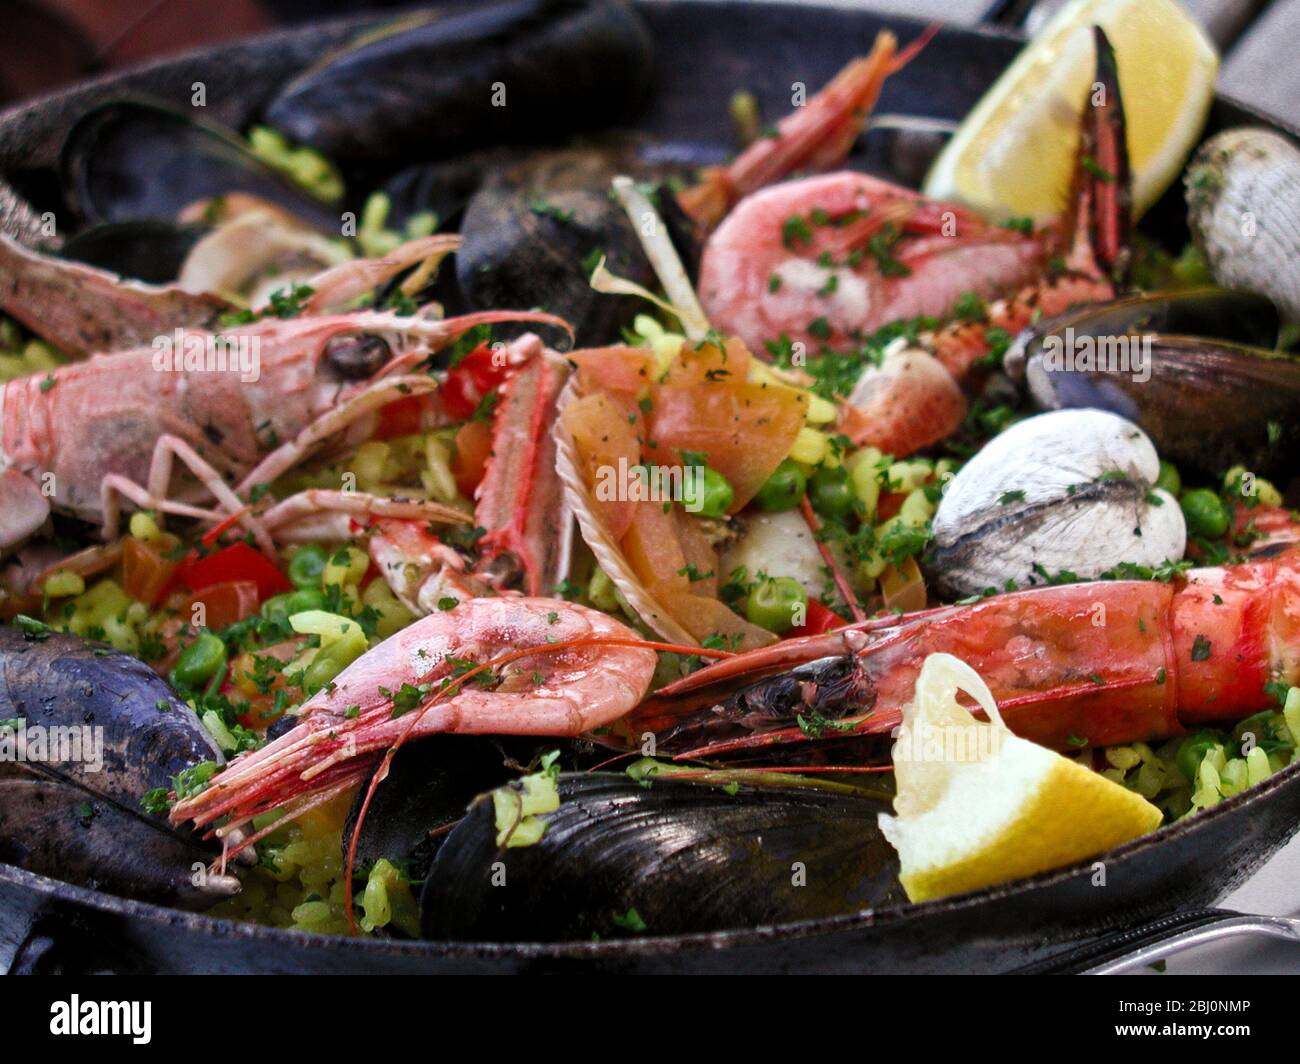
1165 657
820 264
588 671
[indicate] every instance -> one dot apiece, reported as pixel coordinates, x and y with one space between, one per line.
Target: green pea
328 663
783 489
276 608
1192 751
831 493
1170 479
306 566
309 598
774 603
716 493
199 661
1206 515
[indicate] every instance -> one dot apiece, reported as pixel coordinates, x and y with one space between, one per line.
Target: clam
1243 207
1184 366
1069 492
672 857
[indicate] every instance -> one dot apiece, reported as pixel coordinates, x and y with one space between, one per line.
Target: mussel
1195 370
437 84
128 160
427 789
149 249
665 857
533 235
89 732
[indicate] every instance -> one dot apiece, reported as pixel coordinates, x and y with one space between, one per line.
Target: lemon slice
1014 154
977 805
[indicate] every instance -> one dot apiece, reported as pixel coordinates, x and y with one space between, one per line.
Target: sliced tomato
146 574
889 505
473 377
238 562
473 446
224 604
402 417
818 619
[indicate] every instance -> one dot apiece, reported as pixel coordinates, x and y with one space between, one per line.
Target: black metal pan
704 52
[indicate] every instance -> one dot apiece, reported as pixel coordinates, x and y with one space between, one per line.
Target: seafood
618 413
1070 665
684 856
508 72
83 310
821 264
586 670
1073 490
1242 190
109 731
150 413
815 137
1183 366
127 161
426 792
532 233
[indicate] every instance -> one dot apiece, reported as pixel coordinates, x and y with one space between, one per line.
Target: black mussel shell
514 71
430 783
532 236
150 250
130 160
1213 313
669 858
76 813
1184 368
58 830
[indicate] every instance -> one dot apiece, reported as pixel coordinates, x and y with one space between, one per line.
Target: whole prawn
586 670
1090 664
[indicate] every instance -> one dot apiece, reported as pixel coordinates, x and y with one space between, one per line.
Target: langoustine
1075 665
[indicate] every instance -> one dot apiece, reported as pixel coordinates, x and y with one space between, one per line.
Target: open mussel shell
687 857
533 234
130 160
100 730
1185 368
149 250
428 787
513 71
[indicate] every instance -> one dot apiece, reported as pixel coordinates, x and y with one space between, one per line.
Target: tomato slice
238 562
402 417
224 604
473 377
818 619
146 574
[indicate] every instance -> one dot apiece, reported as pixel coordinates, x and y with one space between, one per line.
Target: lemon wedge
976 805
1014 154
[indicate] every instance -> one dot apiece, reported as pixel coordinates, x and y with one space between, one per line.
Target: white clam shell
1068 491
1243 200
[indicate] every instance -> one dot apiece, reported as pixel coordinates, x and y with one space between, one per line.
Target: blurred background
50 43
